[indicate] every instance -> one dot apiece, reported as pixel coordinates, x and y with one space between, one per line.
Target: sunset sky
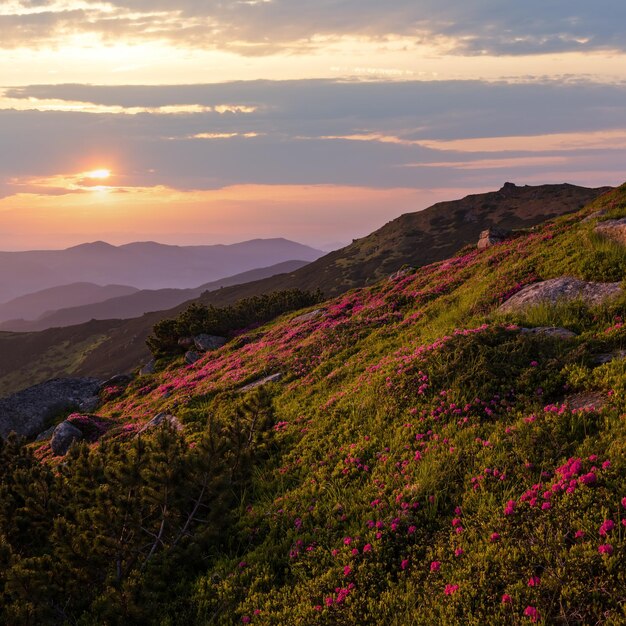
202 121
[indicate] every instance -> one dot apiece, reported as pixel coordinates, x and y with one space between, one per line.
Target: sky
215 121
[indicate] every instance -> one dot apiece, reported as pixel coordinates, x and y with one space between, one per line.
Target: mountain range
104 348
81 302
143 265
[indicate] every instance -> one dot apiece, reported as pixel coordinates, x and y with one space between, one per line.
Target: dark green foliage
120 529
223 321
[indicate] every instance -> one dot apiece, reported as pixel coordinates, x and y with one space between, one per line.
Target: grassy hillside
421 461
413 239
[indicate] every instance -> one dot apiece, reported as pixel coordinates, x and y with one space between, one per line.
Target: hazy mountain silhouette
34 305
144 265
135 303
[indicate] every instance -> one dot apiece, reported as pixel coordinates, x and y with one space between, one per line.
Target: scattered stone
121 380
492 236
586 401
262 381
29 411
148 368
46 434
594 215
89 405
550 331
191 357
562 289
401 273
185 342
602 359
307 317
208 343
158 419
63 437
613 229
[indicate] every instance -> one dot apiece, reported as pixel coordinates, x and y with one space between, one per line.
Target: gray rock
148 368
158 419
191 357
27 412
586 401
307 317
550 331
601 359
185 342
89 405
406 271
262 381
613 229
117 381
207 343
63 437
562 289
491 236
594 215
46 434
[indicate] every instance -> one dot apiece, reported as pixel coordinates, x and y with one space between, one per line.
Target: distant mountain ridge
104 348
34 305
144 265
138 302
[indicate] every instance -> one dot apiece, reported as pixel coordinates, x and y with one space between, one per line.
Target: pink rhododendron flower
494 537
606 527
533 613
451 589
347 570
606 548
459 552
534 581
435 566
506 598
404 564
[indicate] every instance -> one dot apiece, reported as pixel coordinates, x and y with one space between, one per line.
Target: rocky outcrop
550 331
64 435
262 381
607 357
491 236
148 368
121 380
159 419
208 343
28 412
562 289
191 356
613 229
307 317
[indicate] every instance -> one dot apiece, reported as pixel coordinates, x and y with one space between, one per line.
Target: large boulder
491 236
207 343
562 289
191 356
64 435
28 412
307 317
556 332
613 229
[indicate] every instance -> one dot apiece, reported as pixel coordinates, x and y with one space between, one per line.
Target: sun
100 174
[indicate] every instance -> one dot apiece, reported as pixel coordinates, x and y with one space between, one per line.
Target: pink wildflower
435 566
506 599
606 527
451 589
606 548
533 613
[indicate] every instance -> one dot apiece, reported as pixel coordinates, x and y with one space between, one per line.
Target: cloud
314 132
473 27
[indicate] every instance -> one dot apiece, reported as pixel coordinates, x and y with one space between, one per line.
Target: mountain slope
422 460
145 265
413 239
34 305
139 302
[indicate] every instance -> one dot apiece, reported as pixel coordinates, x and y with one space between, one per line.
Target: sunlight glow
100 174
